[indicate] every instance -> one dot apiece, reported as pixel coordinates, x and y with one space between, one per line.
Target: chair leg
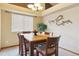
56 54
56 51
21 50
25 53
37 53
25 48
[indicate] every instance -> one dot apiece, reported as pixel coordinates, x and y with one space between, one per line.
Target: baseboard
8 47
69 50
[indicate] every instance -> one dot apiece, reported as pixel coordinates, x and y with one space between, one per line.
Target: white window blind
21 23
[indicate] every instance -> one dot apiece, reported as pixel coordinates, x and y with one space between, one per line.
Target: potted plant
41 27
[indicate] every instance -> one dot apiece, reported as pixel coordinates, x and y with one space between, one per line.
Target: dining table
34 40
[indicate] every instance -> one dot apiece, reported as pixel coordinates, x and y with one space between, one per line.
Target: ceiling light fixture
35 6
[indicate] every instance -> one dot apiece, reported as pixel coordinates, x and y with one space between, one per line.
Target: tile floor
14 52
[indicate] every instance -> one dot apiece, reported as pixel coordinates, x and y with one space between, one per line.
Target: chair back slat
52 40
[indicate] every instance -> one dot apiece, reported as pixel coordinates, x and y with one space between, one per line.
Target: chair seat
41 45
51 51
42 50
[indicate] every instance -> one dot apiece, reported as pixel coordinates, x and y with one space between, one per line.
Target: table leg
21 49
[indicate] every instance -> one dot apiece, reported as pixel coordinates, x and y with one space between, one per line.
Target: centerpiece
41 27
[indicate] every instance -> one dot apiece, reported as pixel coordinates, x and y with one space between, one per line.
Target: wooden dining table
34 40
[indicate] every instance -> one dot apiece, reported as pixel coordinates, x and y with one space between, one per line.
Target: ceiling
47 5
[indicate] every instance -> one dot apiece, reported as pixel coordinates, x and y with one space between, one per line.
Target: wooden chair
23 45
20 44
26 46
50 48
26 32
47 33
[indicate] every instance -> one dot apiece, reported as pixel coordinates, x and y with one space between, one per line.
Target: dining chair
23 45
20 44
50 48
47 33
26 46
26 32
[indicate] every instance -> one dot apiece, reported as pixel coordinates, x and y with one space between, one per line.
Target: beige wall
69 32
37 20
8 38
0 29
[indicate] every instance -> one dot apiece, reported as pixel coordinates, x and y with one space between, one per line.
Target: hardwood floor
13 51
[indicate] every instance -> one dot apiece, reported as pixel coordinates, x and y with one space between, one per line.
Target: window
21 23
